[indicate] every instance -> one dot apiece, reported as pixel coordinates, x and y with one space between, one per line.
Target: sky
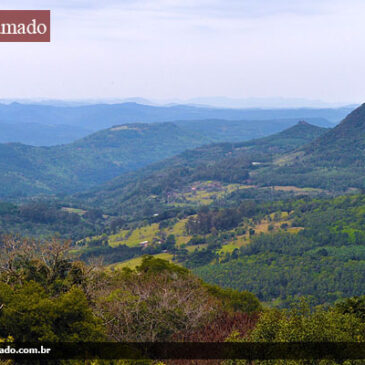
184 49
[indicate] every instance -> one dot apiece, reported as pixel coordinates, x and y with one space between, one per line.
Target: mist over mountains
214 102
46 125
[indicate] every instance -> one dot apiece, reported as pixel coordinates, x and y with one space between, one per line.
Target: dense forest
323 258
45 219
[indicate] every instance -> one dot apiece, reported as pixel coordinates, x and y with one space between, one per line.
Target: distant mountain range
215 102
50 124
37 134
266 103
304 155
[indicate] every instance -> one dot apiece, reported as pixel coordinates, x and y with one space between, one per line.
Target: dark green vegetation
149 190
44 219
301 324
45 296
324 259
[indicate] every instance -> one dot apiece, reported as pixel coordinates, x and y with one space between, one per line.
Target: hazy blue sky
187 48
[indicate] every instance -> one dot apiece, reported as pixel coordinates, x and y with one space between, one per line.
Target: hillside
151 188
344 145
278 250
334 161
27 170
101 156
317 249
291 138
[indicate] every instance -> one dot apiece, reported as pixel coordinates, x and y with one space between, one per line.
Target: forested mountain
206 209
289 139
344 145
225 162
27 170
335 161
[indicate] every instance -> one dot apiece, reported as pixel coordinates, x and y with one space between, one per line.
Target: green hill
28 170
344 145
150 187
287 140
334 161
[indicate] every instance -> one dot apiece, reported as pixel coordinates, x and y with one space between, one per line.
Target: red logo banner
25 25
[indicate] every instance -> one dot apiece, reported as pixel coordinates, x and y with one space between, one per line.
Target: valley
255 223
183 183
97 158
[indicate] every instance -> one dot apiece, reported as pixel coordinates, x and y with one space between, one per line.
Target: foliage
300 324
42 296
29 314
235 300
355 306
46 219
159 300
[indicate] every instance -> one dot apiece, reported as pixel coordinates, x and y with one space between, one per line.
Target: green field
206 192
